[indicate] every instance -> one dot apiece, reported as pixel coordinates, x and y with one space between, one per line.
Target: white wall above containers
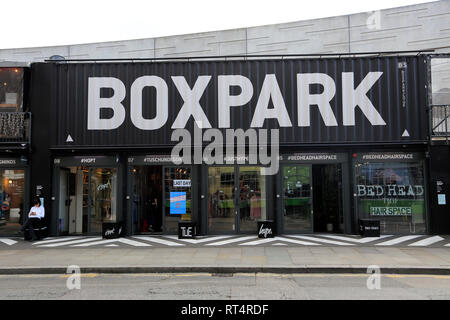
416 27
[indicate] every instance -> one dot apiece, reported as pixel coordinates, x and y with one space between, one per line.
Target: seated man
35 215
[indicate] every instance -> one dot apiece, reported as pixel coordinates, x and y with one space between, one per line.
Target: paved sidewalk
279 259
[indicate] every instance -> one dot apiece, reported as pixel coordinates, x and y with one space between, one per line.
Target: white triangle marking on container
69 138
405 133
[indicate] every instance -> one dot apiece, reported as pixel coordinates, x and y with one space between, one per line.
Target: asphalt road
224 287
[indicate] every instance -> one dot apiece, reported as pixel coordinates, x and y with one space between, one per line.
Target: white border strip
426 242
398 240
159 240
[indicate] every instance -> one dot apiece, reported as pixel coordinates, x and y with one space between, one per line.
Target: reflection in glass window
221 214
11 89
440 80
393 193
297 198
11 201
440 87
252 198
103 197
177 186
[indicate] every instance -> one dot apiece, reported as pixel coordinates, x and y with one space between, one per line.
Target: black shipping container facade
393 85
352 143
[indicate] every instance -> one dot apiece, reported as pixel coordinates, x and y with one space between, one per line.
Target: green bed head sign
390 211
400 207
391 200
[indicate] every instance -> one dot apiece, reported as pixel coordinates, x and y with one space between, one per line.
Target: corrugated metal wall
398 95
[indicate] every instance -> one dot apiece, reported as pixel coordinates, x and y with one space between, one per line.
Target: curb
219 269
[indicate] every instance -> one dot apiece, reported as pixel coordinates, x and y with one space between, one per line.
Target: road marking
107 241
279 244
426 242
221 243
260 241
104 241
322 240
133 242
111 245
283 239
56 240
159 240
7 241
356 240
202 240
398 240
60 244
305 243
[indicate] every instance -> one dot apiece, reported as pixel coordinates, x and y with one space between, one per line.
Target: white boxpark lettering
191 104
96 103
352 97
161 102
270 90
305 99
226 100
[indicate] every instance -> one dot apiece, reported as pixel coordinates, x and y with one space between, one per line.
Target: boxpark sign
234 103
309 101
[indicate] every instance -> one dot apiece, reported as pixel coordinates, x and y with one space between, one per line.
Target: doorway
87 198
297 199
155 188
147 199
312 198
328 196
236 199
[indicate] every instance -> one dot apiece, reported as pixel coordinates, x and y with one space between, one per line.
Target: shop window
440 96
11 200
11 89
393 193
176 194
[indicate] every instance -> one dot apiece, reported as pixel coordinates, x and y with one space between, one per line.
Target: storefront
86 194
159 195
236 198
304 126
312 193
392 187
14 198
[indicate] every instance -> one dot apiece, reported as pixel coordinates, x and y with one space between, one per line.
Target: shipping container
322 101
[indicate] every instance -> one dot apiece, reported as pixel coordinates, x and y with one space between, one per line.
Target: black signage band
13 162
86 161
388 156
314 157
